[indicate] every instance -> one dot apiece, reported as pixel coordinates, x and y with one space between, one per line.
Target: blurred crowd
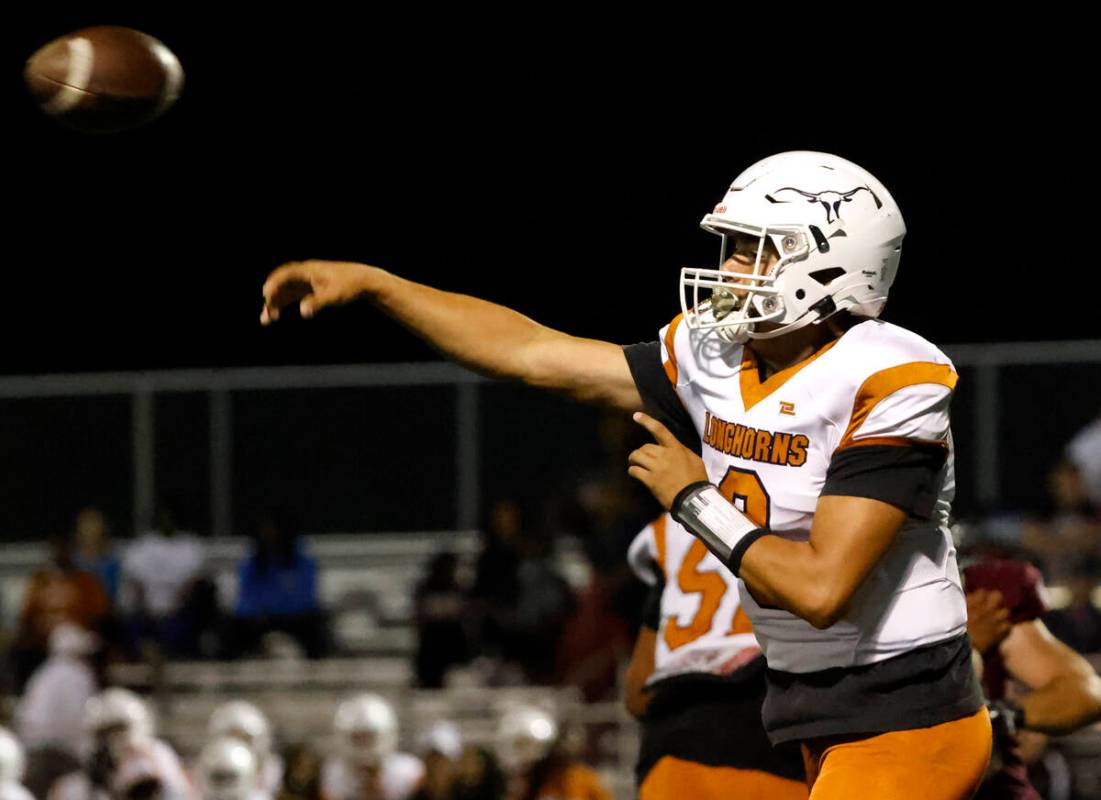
1062 540
115 754
514 615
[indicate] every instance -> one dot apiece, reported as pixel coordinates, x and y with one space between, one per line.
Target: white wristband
716 522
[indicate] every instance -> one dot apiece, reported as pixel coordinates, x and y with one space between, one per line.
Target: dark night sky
565 179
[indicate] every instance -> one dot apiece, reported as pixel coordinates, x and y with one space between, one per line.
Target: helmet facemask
837 233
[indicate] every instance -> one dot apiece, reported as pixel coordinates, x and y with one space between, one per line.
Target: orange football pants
944 762
676 779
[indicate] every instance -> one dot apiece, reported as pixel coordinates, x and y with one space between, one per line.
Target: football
104 79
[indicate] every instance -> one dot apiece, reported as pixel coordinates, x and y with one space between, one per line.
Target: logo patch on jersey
787 408
732 439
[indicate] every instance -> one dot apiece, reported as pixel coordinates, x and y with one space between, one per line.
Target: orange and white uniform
867 415
702 735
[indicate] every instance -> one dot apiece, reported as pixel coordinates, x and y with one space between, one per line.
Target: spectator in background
1079 624
94 551
59 592
495 583
1084 452
278 590
595 640
170 603
533 626
49 715
521 596
1070 531
440 607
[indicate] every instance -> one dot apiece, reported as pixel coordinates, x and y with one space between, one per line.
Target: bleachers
367 582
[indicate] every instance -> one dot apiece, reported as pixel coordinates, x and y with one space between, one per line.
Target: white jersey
271 774
51 711
155 758
767 446
9 790
399 777
703 627
269 781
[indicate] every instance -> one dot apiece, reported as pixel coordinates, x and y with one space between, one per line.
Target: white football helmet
119 719
838 234
12 759
443 737
72 641
366 729
228 770
525 734
242 720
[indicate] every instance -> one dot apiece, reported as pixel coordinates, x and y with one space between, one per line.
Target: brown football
104 79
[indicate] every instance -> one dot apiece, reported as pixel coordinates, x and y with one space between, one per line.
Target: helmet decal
830 200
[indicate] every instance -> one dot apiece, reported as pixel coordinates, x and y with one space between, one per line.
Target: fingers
984 599
660 433
290 283
646 456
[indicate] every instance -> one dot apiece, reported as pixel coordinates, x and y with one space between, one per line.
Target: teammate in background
123 756
805 442
696 680
536 768
439 748
229 770
367 765
12 763
244 721
1063 691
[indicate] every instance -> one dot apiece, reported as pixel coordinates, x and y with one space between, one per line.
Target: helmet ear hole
820 239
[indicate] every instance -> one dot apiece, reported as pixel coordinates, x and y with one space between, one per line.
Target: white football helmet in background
228 770
12 759
366 729
443 737
838 234
242 720
525 734
119 719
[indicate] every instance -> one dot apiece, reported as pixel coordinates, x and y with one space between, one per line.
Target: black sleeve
651 608
658 395
905 477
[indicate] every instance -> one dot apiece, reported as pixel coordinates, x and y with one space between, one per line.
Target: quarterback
805 442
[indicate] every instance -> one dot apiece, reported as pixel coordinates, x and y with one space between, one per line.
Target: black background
557 163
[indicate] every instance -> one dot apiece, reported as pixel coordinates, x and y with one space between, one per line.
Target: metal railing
142 388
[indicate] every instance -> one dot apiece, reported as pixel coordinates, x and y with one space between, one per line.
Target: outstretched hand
313 285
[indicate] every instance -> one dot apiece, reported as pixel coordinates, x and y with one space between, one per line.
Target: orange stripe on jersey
753 391
659 541
670 338
886 382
